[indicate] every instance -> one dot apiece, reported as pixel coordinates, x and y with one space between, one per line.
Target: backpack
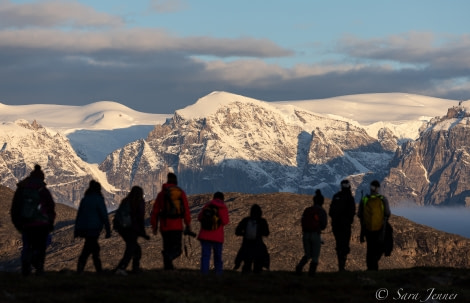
122 217
173 205
373 212
31 205
311 221
210 219
251 229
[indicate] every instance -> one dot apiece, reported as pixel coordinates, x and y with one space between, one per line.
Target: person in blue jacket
92 215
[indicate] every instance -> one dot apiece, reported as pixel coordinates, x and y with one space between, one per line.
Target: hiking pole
187 235
185 247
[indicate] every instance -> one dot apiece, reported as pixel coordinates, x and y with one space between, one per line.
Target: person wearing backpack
213 217
342 212
134 204
33 215
92 216
170 211
313 221
253 252
374 211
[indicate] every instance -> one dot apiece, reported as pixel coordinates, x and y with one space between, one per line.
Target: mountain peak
210 103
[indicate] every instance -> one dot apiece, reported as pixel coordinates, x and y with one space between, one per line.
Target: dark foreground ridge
418 284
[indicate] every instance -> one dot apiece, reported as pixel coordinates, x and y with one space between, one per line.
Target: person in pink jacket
213 218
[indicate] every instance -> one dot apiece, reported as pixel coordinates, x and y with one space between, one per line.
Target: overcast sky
160 55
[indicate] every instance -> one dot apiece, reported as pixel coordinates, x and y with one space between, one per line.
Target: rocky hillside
415 245
435 169
26 144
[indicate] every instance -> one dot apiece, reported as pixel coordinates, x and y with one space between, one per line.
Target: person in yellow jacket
374 211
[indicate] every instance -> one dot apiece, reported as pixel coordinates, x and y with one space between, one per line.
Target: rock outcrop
435 169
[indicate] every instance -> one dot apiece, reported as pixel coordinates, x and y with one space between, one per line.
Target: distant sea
455 220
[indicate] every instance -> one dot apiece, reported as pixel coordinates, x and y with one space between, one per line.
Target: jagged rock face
248 148
66 174
387 139
135 164
435 169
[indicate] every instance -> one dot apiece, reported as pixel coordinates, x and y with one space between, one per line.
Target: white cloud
52 13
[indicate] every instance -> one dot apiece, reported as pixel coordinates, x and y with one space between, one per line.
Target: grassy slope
278 286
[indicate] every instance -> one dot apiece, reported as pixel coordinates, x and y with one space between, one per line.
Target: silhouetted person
171 209
213 218
33 214
314 220
342 211
92 216
135 204
373 213
253 252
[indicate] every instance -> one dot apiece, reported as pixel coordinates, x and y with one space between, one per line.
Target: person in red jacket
213 218
171 209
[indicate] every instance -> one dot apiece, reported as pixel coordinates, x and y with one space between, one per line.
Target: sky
157 56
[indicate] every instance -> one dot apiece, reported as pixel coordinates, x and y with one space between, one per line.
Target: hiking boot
313 269
98 266
120 272
25 272
80 267
40 272
137 271
341 263
299 268
168 265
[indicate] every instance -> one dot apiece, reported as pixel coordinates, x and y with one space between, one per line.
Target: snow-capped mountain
94 130
66 141
233 143
24 145
222 142
103 115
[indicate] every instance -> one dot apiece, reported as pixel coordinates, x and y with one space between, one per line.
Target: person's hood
256 211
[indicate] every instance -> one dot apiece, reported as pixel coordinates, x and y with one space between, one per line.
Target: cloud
164 82
168 6
417 48
244 72
152 70
53 13
137 40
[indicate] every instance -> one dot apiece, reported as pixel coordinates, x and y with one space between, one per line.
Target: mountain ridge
244 145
